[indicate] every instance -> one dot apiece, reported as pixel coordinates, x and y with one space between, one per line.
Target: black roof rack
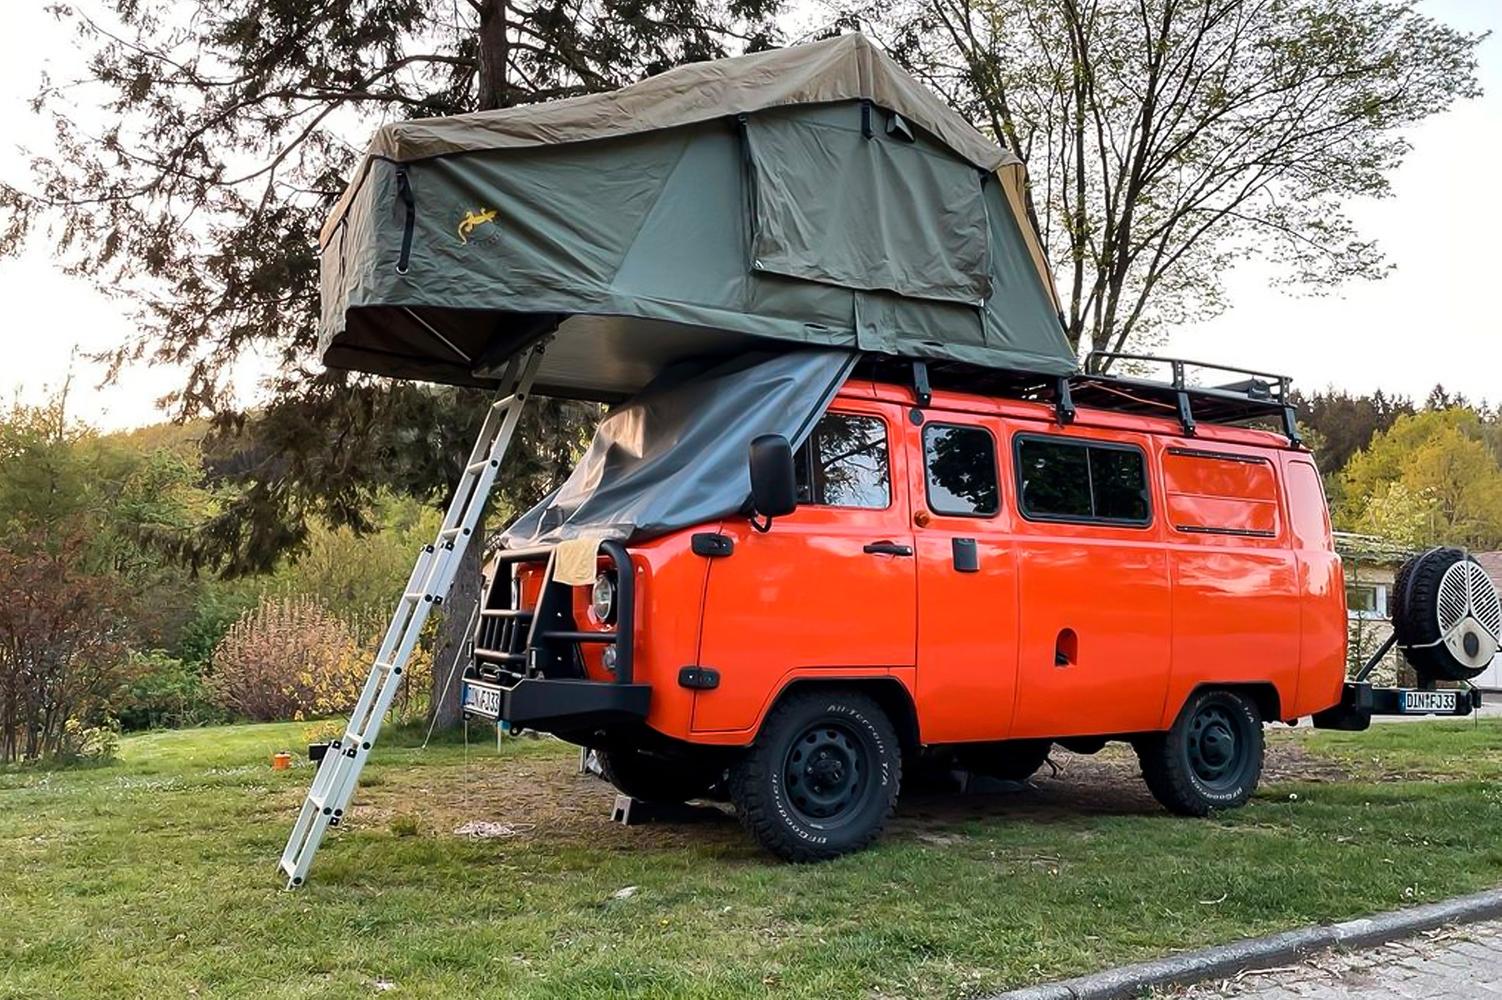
1254 397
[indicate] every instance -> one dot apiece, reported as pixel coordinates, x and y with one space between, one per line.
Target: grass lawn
157 875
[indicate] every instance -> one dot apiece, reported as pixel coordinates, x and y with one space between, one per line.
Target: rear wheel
1210 759
655 779
821 778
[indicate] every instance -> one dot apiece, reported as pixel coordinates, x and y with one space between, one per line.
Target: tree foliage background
1167 140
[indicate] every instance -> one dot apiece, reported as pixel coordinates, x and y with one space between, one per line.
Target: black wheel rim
1218 747
826 774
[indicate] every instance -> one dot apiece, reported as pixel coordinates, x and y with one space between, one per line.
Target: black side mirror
774 490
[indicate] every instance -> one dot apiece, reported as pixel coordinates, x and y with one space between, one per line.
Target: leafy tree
231 127
1168 139
1431 478
1345 422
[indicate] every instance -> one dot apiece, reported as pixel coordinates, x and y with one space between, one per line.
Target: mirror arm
764 526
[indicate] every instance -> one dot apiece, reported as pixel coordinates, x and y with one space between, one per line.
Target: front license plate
1427 702
482 699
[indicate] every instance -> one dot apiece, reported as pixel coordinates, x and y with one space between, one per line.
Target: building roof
1492 563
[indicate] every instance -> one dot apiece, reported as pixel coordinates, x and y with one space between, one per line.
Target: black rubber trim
1200 529
1224 456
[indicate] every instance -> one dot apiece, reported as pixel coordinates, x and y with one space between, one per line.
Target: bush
89 744
289 658
163 692
292 658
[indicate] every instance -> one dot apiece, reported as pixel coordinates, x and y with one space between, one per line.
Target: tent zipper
404 191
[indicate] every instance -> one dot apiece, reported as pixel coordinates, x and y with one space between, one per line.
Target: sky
1433 320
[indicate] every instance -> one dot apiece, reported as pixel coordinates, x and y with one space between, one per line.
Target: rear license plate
1426 702
482 699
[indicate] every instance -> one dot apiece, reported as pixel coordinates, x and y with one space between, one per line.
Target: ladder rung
454 532
477 466
504 401
414 595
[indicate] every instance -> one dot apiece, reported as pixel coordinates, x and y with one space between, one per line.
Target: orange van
977 574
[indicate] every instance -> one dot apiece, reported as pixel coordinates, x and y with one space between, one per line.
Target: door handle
887 549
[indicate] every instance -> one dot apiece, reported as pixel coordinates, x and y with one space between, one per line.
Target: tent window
886 213
844 463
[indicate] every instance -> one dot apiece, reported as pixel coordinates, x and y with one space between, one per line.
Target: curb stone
1227 960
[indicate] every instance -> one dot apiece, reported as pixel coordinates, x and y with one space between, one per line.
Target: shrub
289 658
292 658
163 692
89 744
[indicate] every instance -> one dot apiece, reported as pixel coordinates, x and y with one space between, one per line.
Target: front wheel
1211 758
821 778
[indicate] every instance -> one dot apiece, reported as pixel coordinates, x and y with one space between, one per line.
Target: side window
844 463
960 464
1074 481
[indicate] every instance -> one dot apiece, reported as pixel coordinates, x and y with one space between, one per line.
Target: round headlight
602 598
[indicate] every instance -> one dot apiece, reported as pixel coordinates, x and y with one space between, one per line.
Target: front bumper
556 705
527 667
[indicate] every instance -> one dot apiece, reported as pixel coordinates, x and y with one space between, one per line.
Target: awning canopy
809 196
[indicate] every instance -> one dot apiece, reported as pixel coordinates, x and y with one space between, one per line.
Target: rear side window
1306 506
960 464
844 463
1066 480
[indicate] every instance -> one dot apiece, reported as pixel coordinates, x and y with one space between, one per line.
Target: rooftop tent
808 196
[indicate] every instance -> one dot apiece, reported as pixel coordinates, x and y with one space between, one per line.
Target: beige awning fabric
849 67
1013 178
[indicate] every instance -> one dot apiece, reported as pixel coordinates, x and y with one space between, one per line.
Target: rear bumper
1359 702
558 705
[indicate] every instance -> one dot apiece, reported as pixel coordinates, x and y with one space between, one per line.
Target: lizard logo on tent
474 219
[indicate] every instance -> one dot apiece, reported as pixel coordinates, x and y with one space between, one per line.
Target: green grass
156 876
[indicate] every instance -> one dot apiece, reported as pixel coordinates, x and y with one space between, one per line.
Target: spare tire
1446 615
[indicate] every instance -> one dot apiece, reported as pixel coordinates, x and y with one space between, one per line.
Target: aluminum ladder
437 564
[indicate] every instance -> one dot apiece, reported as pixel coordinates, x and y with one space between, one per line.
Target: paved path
1454 963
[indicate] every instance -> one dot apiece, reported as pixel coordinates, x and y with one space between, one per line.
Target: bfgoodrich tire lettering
1210 759
821 778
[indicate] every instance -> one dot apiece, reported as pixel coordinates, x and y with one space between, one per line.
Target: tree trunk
495 49
453 633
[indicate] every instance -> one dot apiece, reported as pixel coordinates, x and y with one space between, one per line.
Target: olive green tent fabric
754 209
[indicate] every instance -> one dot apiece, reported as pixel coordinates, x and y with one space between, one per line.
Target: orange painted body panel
1063 628
805 596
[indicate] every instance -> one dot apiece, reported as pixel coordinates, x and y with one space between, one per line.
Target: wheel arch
888 692
1264 694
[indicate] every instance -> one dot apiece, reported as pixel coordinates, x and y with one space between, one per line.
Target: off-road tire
652 778
1015 760
847 726
1174 764
1415 617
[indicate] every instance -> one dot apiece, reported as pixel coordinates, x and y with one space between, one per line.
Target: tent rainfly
810 196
